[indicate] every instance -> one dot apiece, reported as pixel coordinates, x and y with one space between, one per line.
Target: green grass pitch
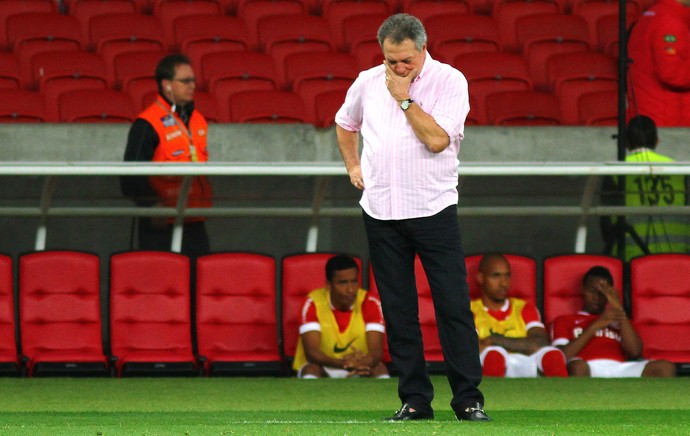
283 406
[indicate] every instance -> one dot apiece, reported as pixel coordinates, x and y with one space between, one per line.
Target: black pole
622 90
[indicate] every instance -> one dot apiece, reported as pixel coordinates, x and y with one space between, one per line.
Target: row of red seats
27 33
240 316
503 108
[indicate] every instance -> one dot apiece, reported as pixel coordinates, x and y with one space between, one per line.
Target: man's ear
480 277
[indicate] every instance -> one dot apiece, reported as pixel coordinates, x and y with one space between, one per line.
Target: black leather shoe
474 412
409 413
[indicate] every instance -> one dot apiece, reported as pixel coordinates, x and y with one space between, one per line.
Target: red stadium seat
129 68
252 12
207 104
9 359
282 35
507 15
236 317
523 277
523 108
607 34
96 106
83 11
572 75
427 317
361 30
22 106
598 108
114 34
60 313
456 34
660 302
477 114
488 73
35 32
301 274
563 280
338 12
310 74
150 314
168 12
267 107
227 73
198 35
425 9
326 105
10 77
59 72
544 35
13 7
592 10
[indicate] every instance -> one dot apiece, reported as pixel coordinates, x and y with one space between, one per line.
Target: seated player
342 328
512 339
600 340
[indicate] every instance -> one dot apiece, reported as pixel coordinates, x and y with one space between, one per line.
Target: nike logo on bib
337 349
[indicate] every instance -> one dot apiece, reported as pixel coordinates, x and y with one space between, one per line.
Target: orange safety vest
177 143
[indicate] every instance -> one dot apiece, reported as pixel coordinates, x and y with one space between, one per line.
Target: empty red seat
253 11
59 72
310 74
508 13
60 313
114 34
236 315
523 277
563 281
326 104
488 73
660 303
168 12
10 77
150 314
572 75
282 35
227 73
592 10
129 68
360 30
96 106
9 359
454 34
301 274
22 106
544 35
425 9
267 107
598 108
208 105
35 32
523 108
198 35
13 7
337 12
83 11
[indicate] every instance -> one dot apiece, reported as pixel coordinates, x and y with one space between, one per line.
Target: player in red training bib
600 340
512 339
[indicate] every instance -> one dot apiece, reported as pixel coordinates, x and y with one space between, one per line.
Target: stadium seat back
267 107
150 313
660 302
96 106
523 277
523 108
9 362
598 108
563 281
300 274
236 313
452 35
13 7
22 106
60 312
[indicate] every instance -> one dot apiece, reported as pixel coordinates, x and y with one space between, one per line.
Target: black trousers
392 248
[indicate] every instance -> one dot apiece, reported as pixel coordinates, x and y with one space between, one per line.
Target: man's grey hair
400 27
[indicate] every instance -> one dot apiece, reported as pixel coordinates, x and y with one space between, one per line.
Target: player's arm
348 144
573 348
311 341
630 341
536 338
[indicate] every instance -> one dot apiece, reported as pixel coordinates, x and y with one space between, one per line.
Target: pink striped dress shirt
402 178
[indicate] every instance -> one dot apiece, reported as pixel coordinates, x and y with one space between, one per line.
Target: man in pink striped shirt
411 112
